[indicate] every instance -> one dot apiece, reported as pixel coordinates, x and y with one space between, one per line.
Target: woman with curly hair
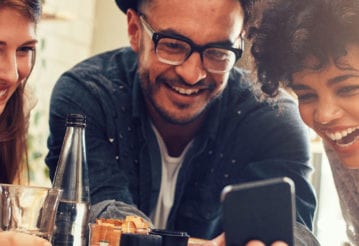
18 19
312 48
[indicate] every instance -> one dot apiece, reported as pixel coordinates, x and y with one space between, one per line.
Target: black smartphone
263 210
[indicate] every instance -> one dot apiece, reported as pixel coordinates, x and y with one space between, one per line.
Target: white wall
81 28
110 27
62 43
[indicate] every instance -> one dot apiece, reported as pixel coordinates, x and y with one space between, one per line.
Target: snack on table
107 232
138 224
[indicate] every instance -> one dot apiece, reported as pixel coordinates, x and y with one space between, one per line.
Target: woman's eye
26 49
348 90
306 97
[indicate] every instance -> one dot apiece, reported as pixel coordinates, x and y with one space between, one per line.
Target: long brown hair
13 157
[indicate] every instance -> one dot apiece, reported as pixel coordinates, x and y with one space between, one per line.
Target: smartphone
262 210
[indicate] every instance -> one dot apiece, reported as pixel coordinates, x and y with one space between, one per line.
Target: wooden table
196 241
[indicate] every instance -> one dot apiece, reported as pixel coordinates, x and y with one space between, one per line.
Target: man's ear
133 29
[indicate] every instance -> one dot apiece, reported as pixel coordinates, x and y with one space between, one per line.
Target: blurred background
71 31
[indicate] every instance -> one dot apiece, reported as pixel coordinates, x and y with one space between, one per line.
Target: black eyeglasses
175 50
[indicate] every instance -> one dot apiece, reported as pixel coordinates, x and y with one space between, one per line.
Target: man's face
179 94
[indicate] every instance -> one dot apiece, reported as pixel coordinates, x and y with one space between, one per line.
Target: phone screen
261 210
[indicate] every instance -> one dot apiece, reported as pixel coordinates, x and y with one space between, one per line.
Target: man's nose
192 70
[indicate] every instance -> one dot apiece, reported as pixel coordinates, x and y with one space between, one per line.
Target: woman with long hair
18 19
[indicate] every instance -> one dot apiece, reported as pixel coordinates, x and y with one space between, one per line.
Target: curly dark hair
287 32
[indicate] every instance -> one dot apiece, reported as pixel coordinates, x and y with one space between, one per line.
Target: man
171 122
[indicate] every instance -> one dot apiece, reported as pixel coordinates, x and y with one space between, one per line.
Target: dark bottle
72 177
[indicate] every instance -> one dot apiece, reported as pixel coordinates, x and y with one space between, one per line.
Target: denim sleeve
115 209
73 96
282 149
277 143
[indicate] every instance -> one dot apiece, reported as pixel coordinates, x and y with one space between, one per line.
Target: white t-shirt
170 168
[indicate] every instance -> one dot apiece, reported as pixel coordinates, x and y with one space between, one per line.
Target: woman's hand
11 238
218 241
259 243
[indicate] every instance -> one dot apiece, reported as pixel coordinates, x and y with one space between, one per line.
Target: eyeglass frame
157 36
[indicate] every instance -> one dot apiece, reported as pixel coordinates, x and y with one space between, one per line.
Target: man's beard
149 91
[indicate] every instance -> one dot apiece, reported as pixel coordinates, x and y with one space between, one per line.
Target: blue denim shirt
243 139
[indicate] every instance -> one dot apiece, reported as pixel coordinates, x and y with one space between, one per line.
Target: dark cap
124 5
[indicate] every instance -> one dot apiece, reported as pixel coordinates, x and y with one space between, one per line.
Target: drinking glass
28 209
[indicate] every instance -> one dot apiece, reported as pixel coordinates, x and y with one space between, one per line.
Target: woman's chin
351 162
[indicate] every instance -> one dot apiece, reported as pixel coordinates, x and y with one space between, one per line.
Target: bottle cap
78 120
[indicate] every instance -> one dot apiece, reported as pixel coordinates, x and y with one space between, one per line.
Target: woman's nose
327 111
192 70
9 68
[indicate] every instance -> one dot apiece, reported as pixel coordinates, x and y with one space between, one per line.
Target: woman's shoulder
347 185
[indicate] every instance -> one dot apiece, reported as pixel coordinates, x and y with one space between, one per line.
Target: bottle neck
71 173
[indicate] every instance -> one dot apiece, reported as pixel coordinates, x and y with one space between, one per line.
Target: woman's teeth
339 135
3 92
344 137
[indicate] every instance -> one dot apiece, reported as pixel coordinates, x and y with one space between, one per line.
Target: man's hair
141 4
288 32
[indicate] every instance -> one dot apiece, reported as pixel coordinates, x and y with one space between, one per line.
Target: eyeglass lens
175 52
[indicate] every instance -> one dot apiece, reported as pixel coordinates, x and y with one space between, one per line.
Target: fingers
259 243
11 238
255 243
218 241
279 243
210 243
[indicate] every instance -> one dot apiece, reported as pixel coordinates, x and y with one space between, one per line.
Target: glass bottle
72 177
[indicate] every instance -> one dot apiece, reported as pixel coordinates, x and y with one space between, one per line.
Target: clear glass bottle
72 177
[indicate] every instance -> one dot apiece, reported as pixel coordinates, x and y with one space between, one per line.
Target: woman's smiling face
17 46
329 104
